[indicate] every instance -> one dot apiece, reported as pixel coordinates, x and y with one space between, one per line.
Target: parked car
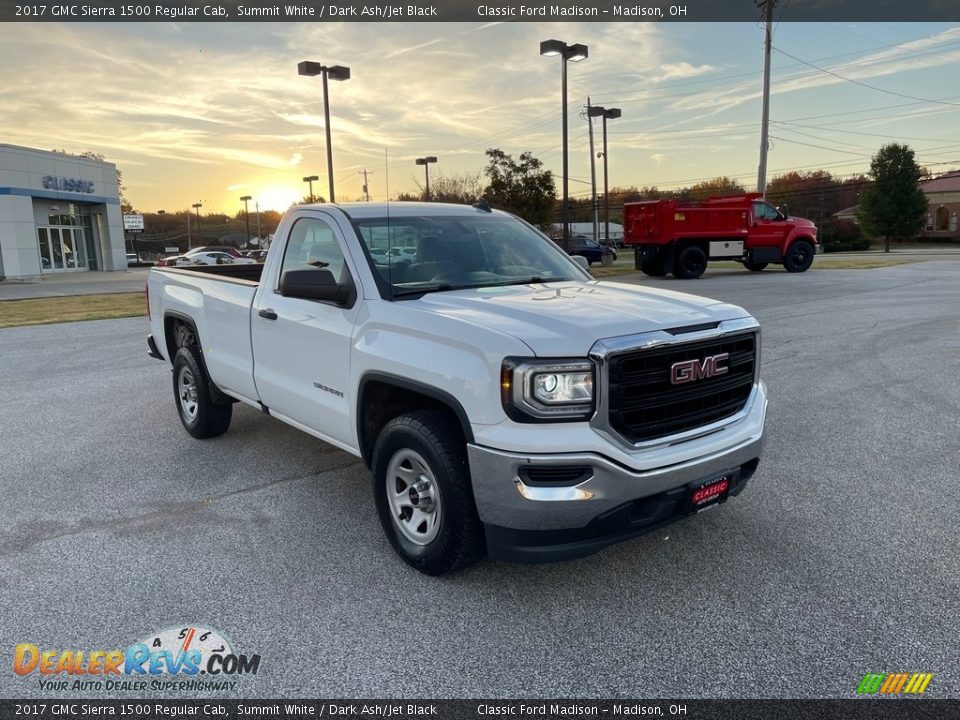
228 249
258 255
132 259
212 258
590 249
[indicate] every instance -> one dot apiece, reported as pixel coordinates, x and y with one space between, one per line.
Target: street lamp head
596 111
197 205
308 67
426 160
246 197
612 113
576 53
552 47
311 178
338 72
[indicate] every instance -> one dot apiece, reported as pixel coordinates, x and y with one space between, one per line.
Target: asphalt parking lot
839 559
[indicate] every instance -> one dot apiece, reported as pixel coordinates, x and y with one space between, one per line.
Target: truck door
301 348
768 227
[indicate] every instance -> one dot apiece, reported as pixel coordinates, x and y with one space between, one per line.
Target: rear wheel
191 390
754 266
653 266
690 263
423 493
799 257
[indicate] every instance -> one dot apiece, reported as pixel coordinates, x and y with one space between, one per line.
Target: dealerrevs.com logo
187 659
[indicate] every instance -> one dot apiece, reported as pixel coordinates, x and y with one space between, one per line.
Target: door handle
268 314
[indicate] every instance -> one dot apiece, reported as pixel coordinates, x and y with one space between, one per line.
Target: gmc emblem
689 370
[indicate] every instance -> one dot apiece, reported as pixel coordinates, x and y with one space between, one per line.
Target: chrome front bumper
503 499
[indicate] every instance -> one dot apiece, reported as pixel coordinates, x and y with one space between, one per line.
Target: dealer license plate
708 493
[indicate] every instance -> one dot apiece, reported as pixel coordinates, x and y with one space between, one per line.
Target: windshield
415 255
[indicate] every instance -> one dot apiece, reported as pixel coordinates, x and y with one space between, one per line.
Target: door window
313 244
763 211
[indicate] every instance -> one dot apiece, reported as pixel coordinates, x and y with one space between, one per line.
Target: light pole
425 161
309 179
574 53
246 217
197 206
334 72
611 114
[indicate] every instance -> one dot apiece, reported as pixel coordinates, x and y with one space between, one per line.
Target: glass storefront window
44 245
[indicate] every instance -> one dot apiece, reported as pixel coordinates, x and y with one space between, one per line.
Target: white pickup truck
505 402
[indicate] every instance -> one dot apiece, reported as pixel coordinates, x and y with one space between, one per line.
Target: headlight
547 390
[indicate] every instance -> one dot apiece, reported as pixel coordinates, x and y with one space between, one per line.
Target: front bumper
529 521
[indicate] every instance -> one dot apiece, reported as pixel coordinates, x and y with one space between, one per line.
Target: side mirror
581 261
314 284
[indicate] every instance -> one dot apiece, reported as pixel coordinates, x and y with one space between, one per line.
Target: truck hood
566 318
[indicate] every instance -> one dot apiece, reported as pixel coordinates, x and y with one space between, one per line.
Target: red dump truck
671 236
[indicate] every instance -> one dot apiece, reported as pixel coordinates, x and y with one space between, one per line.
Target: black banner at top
478 11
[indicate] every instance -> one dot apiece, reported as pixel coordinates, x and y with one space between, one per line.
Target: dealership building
58 214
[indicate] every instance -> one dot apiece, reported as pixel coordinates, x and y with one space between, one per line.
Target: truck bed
247 272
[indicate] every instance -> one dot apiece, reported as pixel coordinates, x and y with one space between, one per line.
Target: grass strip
42 311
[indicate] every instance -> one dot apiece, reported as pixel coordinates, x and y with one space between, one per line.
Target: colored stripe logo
894 683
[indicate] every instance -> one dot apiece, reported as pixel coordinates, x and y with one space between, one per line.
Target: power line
863 84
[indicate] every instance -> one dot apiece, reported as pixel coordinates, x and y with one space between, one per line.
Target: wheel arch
382 396
790 241
170 320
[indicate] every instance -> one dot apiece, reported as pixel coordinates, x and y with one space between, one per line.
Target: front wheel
799 257
423 494
690 263
201 417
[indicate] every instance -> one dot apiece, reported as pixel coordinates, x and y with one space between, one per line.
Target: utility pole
259 236
366 187
765 120
593 176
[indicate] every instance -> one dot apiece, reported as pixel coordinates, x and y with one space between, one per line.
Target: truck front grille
644 405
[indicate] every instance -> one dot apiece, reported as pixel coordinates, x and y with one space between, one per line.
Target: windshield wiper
421 291
535 280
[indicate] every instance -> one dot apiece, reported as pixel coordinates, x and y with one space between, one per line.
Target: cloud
892 61
680 70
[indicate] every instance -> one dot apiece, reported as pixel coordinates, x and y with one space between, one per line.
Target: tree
894 206
521 186
717 186
461 189
815 194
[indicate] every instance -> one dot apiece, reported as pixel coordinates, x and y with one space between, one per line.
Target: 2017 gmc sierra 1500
505 401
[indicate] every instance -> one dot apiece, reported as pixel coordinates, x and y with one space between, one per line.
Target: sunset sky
208 112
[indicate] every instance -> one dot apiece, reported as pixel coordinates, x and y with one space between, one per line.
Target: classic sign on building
58 213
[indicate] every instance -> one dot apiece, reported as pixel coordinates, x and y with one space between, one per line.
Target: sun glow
278 197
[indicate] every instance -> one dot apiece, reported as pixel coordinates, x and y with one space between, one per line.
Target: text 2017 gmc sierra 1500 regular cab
505 402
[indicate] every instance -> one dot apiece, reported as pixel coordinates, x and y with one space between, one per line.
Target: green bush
842 236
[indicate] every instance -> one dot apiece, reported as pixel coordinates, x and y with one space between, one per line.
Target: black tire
201 417
754 266
456 540
690 263
799 257
653 266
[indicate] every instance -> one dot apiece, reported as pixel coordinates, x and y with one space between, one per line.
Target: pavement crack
163 517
